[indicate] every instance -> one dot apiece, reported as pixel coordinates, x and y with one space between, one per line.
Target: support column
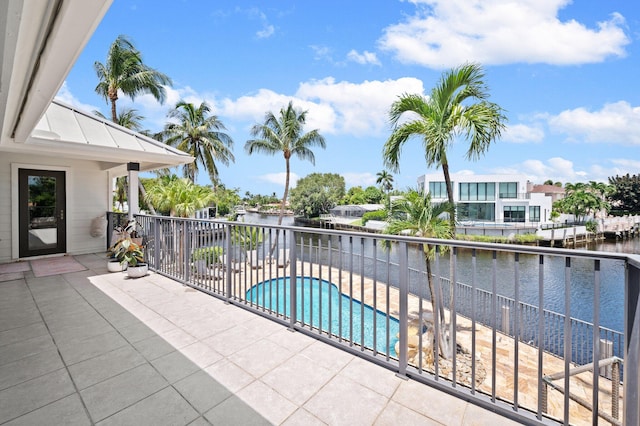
132 196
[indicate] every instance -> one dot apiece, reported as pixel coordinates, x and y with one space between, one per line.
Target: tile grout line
66 367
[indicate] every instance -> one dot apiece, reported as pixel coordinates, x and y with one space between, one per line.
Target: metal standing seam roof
62 122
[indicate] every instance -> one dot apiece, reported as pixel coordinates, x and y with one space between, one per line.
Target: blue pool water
320 303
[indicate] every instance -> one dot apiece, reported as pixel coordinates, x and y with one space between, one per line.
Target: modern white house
57 163
496 199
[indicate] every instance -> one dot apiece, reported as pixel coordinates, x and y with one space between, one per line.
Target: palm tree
446 114
124 71
385 180
284 134
128 118
121 191
199 134
180 197
414 214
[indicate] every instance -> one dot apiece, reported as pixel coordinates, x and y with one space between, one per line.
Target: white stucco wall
87 197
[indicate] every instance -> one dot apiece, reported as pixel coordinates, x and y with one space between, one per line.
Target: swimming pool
320 303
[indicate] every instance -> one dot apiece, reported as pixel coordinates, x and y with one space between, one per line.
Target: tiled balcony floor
92 347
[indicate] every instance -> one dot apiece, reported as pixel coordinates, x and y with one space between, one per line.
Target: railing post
606 351
505 320
157 244
228 261
403 263
186 227
293 279
615 390
632 344
109 229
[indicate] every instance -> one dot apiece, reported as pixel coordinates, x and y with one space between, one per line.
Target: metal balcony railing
491 339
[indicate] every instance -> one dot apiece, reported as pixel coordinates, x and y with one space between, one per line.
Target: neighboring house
491 198
354 210
555 192
57 163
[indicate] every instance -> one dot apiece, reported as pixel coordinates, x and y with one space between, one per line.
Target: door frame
15 199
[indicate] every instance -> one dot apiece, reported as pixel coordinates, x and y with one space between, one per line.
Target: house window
477 212
438 189
477 191
508 189
534 213
514 213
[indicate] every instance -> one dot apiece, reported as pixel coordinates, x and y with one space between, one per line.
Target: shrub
375 215
210 254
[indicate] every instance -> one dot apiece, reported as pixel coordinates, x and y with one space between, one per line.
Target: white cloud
267 29
358 179
155 113
321 53
445 33
65 95
266 32
559 169
358 109
521 133
279 178
363 58
617 122
628 164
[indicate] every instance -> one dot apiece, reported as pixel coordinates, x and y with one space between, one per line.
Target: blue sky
565 72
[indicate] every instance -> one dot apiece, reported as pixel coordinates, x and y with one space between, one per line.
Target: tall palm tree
199 134
284 134
385 180
442 117
124 71
414 214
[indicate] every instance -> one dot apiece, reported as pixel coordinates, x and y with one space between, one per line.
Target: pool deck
377 295
92 347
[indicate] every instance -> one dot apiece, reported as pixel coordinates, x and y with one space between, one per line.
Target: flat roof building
490 198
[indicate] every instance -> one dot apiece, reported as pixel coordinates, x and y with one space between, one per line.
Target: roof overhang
39 43
74 134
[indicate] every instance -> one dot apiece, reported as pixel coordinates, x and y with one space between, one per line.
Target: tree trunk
443 341
452 214
452 221
114 116
144 197
286 190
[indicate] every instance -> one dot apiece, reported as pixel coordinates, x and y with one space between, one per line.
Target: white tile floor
205 360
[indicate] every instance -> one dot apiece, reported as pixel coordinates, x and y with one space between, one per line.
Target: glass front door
42 210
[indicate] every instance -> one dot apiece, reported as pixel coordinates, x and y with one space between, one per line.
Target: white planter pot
114 266
137 271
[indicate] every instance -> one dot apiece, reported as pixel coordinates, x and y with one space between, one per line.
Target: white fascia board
73 26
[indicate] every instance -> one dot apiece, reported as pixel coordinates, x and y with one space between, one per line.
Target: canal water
581 291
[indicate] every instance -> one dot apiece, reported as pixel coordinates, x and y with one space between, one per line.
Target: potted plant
113 264
205 257
131 255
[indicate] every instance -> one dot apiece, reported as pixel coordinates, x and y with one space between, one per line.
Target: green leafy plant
375 215
210 254
128 252
248 237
